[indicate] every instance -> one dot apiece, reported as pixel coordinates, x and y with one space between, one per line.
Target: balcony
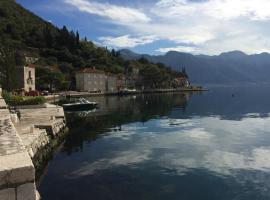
30 81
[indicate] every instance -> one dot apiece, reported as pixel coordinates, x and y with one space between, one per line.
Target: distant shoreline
88 94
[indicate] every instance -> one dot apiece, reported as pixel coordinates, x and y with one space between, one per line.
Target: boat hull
81 107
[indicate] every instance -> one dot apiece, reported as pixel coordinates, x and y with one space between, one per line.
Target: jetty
23 138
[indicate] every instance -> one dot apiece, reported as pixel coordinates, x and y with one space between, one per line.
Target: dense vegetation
23 32
21 101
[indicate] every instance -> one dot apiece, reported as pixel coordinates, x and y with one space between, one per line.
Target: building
121 82
112 83
132 75
91 80
181 81
27 78
30 58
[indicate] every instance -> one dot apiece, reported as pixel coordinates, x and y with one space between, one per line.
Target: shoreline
71 94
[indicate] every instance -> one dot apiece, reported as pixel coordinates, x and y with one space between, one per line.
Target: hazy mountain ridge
233 67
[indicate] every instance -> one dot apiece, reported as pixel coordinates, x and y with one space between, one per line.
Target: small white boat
127 91
80 104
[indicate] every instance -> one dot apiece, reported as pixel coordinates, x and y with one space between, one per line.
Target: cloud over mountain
197 26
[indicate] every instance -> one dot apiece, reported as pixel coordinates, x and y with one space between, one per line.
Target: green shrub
22 100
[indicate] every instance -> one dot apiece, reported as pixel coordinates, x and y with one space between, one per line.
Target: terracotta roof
182 78
31 66
91 70
53 68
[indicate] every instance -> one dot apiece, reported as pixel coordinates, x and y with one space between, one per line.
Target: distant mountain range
233 67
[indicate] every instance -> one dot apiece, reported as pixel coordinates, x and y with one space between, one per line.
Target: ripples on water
170 146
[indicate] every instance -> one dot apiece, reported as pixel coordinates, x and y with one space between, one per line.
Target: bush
20 100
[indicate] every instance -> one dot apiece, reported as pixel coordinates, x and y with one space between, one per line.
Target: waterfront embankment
89 94
27 138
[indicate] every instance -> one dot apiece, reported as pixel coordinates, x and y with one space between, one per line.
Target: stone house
91 80
132 75
182 81
26 78
111 83
121 82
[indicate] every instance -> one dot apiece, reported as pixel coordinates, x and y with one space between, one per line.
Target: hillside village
58 54
88 79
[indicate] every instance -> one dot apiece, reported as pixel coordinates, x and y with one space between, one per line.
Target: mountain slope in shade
233 67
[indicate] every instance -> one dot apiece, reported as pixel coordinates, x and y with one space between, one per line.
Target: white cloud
178 48
214 25
221 9
127 41
118 14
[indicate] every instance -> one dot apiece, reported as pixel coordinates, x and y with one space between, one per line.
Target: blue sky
158 26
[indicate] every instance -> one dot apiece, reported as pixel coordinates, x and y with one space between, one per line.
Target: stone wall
25 147
41 129
17 172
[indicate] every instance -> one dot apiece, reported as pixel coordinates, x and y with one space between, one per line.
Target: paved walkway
10 143
17 173
19 141
3 104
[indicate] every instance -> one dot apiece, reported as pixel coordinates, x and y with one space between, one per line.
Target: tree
48 79
184 72
72 41
143 60
77 38
49 40
113 52
8 71
63 38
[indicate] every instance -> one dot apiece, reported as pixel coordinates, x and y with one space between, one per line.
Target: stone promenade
22 137
17 173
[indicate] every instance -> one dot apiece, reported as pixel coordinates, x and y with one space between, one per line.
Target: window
29 74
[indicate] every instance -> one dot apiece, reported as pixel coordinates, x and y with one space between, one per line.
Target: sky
158 26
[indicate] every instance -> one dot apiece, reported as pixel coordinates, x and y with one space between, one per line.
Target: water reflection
174 146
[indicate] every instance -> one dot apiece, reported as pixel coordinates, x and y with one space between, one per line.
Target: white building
27 78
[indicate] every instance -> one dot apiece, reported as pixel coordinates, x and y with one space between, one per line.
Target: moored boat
79 105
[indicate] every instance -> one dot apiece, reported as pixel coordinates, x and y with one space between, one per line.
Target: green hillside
23 32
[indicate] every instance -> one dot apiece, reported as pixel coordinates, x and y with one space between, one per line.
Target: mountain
233 67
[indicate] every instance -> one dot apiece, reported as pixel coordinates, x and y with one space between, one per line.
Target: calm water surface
210 146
